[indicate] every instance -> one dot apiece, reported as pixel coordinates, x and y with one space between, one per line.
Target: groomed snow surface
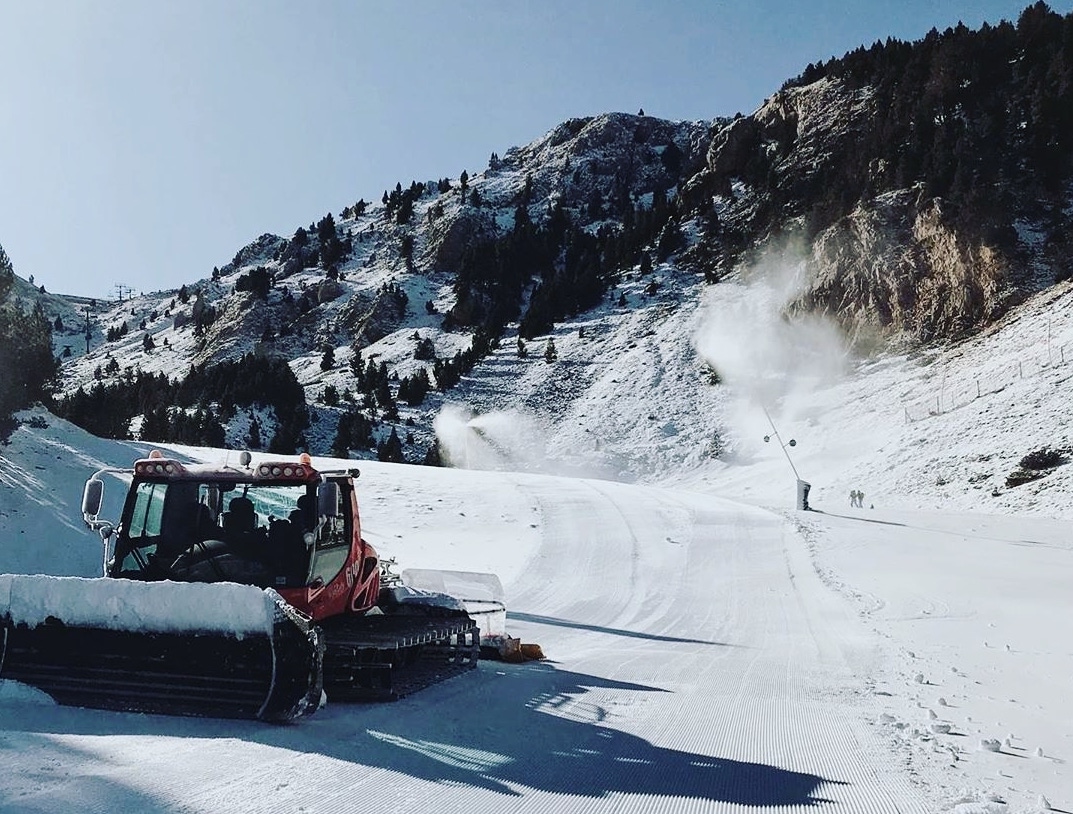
710 647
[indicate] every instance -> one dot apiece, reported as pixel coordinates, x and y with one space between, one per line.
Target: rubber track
204 675
385 657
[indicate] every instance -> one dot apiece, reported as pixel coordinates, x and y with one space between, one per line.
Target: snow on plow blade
220 650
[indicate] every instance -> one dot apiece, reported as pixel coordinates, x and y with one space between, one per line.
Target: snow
710 647
164 607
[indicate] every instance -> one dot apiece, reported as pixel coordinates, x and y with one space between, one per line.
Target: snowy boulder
329 290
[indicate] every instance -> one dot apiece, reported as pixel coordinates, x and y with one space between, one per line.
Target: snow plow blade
110 645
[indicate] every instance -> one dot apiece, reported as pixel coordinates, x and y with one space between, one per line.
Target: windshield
185 509
265 534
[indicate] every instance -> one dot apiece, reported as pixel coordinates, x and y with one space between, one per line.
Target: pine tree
210 432
413 389
550 353
156 425
342 445
253 437
27 368
390 450
327 361
425 350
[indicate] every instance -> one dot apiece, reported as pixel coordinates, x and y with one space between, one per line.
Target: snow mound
16 694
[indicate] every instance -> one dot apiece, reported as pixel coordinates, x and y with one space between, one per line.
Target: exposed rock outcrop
899 266
367 319
239 321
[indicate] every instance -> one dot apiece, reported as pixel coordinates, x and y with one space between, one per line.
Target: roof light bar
284 470
158 466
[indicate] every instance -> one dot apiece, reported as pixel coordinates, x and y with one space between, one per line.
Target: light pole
802 486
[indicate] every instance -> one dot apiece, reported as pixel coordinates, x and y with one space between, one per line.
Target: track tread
386 657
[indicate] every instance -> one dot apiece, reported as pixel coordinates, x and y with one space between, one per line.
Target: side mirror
92 497
328 499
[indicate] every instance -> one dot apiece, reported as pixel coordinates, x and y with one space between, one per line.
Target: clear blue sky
145 141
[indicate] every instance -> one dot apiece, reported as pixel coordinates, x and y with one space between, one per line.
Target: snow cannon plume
496 440
767 355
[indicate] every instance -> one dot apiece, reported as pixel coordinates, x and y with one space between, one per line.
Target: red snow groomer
308 614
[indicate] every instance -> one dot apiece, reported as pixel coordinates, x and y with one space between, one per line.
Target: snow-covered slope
42 470
943 429
632 392
356 304
705 654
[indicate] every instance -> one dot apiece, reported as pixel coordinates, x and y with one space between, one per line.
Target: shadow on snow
505 729
556 622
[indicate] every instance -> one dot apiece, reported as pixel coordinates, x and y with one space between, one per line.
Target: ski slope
704 655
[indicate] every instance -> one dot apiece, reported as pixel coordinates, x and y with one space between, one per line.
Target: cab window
333 543
143 527
148 510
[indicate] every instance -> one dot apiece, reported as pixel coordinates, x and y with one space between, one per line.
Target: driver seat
240 517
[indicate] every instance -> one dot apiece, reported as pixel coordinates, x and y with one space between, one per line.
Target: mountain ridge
611 214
